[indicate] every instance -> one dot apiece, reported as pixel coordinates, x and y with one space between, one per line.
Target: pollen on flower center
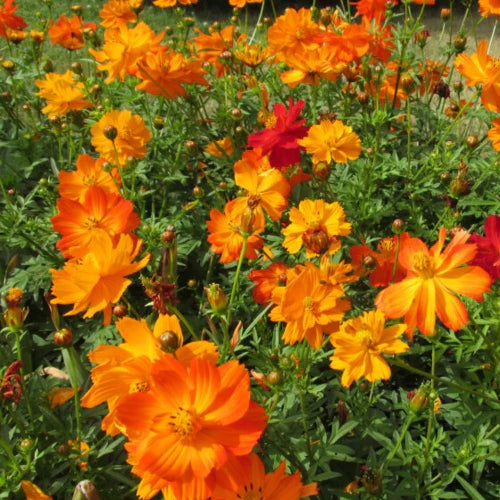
364 338
271 121
91 222
253 201
422 264
251 494
183 422
308 302
89 180
386 246
139 387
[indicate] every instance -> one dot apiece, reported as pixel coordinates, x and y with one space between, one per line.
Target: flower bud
321 170
169 234
398 226
63 337
442 89
421 37
216 298
343 412
459 43
223 186
76 67
445 14
236 114
198 192
472 141
120 310
110 132
169 341
158 122
369 262
247 220
85 490
274 377
420 399
192 283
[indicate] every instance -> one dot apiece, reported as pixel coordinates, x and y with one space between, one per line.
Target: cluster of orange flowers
96 226
483 69
191 424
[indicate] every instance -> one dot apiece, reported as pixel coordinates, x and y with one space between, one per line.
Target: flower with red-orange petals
279 138
228 229
373 9
192 421
209 47
8 19
266 280
68 33
433 279
488 247
489 8
385 270
494 134
89 172
259 485
78 223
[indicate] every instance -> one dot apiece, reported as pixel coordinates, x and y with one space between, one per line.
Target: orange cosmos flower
191 422
162 73
292 32
433 279
242 3
494 134
220 148
209 47
481 68
79 223
252 55
266 280
489 8
317 225
227 229
309 66
131 136
95 279
359 345
116 14
8 19
309 307
126 368
173 3
384 271
373 9
68 33
88 173
329 141
262 486
33 492
267 190
62 92
123 48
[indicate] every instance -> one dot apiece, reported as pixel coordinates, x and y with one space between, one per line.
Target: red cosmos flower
8 19
279 138
488 247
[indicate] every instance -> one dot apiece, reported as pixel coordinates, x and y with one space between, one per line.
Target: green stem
185 322
236 278
402 364
388 460
76 398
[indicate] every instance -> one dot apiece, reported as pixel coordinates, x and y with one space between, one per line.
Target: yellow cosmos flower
317 225
359 345
329 141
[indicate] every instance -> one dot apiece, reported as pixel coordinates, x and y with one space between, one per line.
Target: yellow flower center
89 180
139 387
125 133
250 493
316 239
91 222
422 265
253 201
271 121
300 34
183 422
364 339
386 247
308 302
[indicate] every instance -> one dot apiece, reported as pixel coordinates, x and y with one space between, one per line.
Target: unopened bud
120 310
420 399
63 337
398 226
168 235
459 43
216 298
169 341
110 132
472 141
445 14
274 377
85 490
